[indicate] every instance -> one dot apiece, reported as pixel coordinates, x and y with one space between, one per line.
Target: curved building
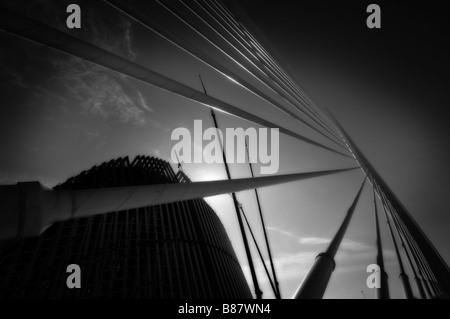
172 251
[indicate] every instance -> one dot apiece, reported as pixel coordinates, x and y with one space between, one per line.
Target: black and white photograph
224 154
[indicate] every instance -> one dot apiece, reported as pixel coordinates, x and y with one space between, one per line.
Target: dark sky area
387 87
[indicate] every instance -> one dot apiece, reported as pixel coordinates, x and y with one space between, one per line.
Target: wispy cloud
101 92
347 244
313 240
143 103
54 79
288 266
102 25
291 267
299 239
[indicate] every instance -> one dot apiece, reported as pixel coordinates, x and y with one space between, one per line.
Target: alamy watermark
74 279
192 149
374 279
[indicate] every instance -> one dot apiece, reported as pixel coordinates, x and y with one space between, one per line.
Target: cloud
54 79
301 240
346 244
288 266
283 232
313 241
102 25
348 248
143 102
292 267
100 92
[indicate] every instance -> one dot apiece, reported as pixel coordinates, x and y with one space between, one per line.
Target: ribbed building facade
172 251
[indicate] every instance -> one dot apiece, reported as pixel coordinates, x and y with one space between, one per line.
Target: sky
61 115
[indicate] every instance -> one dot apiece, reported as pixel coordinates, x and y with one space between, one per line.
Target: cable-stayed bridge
236 55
